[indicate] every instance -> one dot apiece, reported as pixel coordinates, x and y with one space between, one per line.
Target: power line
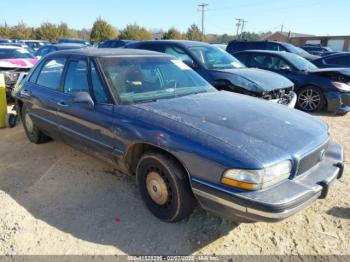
203 6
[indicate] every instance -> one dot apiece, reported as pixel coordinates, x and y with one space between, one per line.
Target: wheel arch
136 150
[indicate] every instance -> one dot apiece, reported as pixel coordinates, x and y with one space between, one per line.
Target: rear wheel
33 133
311 99
164 187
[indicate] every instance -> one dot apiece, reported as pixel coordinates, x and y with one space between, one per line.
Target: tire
11 120
311 99
32 131
164 187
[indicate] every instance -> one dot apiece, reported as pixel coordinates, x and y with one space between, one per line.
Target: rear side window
76 77
236 47
243 58
51 73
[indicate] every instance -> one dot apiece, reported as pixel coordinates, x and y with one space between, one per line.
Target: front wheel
32 131
164 187
311 99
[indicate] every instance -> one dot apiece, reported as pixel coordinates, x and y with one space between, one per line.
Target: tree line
102 30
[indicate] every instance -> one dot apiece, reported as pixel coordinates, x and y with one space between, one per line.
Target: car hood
324 71
264 81
261 129
18 63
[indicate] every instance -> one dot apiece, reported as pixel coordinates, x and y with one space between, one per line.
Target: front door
81 125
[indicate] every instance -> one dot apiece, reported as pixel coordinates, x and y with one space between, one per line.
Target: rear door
43 91
86 128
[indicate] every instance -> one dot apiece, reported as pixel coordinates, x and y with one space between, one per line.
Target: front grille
312 159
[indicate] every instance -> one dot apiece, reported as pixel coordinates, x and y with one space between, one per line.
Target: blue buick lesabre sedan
152 116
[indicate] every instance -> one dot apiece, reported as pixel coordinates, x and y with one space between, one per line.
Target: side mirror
189 62
285 68
84 98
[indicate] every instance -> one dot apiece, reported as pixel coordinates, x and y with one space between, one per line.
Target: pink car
13 62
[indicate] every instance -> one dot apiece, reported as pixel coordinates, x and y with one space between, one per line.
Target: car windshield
300 63
215 58
295 50
6 53
146 79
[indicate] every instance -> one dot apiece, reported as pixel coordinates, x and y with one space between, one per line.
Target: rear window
242 46
14 53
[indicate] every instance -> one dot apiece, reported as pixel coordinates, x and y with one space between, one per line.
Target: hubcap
309 100
29 123
157 188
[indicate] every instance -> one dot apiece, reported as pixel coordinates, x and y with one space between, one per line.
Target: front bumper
338 102
289 99
277 202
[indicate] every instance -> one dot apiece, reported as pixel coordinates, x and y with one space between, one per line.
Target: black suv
237 46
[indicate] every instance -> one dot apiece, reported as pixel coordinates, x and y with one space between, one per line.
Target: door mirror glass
285 68
189 62
84 98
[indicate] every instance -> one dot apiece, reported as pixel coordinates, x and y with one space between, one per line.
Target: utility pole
282 27
239 20
244 22
203 6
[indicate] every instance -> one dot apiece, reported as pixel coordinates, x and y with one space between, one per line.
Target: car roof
107 52
280 53
10 47
185 43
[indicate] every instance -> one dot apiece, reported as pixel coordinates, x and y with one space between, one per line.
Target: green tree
5 31
101 30
173 33
193 33
21 31
135 32
48 31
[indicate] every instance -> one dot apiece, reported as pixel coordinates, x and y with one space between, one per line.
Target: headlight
257 179
12 76
342 86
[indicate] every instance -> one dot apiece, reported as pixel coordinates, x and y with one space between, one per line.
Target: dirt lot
55 200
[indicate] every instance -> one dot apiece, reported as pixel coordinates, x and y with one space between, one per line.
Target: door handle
62 104
25 93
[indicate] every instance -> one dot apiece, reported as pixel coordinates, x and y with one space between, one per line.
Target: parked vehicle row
224 71
237 46
47 49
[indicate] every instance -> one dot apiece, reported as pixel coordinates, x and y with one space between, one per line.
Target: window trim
102 80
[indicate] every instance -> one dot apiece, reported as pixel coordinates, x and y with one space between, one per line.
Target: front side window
147 79
215 58
299 62
51 73
97 86
275 63
258 61
76 77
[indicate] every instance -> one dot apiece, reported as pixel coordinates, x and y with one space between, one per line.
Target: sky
317 17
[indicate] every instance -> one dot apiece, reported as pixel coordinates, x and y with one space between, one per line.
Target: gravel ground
56 200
